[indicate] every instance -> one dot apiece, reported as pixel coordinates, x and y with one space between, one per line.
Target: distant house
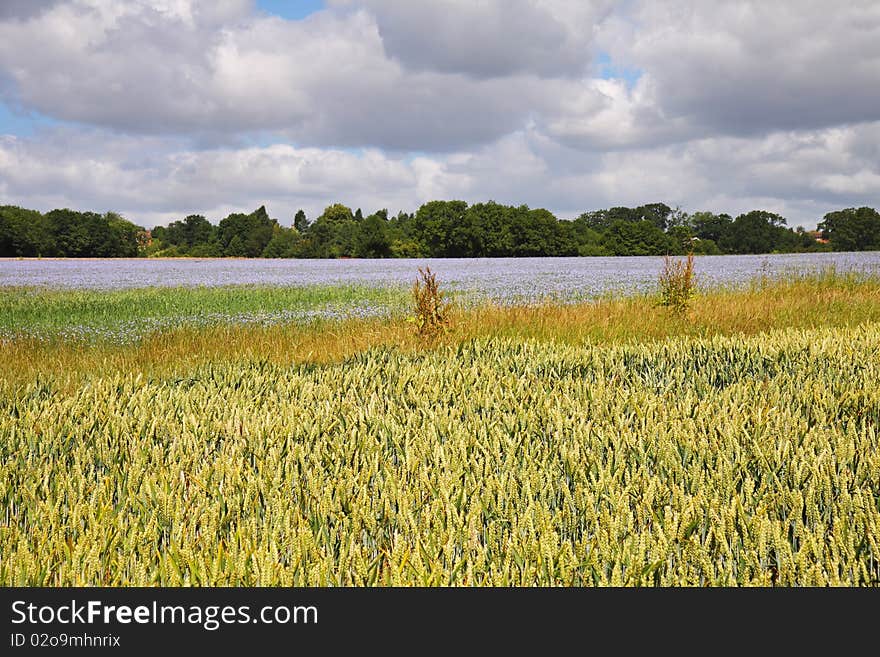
817 235
145 239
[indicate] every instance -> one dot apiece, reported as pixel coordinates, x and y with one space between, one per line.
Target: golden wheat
730 460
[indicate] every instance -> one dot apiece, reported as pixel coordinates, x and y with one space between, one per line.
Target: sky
159 109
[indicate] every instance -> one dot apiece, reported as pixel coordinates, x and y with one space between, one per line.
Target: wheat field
722 460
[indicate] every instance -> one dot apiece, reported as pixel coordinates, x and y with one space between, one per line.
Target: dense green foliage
66 233
853 229
437 229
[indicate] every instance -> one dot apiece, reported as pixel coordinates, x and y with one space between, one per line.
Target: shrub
431 311
677 283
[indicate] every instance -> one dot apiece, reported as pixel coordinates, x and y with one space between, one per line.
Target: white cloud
155 179
324 80
607 114
447 74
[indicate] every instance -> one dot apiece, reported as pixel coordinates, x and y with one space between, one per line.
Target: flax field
725 459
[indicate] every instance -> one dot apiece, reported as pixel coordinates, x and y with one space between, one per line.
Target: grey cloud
125 66
23 9
605 115
747 68
459 74
488 39
322 81
351 95
433 113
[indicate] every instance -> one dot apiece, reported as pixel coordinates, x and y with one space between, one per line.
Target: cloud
155 180
445 75
609 114
752 67
152 180
23 9
492 38
149 69
351 94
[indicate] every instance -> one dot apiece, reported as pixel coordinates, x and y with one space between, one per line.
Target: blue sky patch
21 124
608 70
290 9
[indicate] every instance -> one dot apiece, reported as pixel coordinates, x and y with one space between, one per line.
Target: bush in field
677 283
431 311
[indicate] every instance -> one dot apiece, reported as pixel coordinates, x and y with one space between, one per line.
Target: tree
300 223
587 237
757 231
657 213
601 219
208 250
677 217
123 237
283 243
235 248
70 233
852 229
100 242
192 231
333 233
438 228
24 233
336 214
89 235
444 230
316 243
709 226
681 240
407 248
636 238
246 234
371 240
493 223
537 233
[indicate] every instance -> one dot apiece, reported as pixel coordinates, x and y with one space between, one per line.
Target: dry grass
834 301
805 303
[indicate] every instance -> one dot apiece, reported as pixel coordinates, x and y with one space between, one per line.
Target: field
168 437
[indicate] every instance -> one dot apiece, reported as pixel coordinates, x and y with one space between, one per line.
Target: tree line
443 229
